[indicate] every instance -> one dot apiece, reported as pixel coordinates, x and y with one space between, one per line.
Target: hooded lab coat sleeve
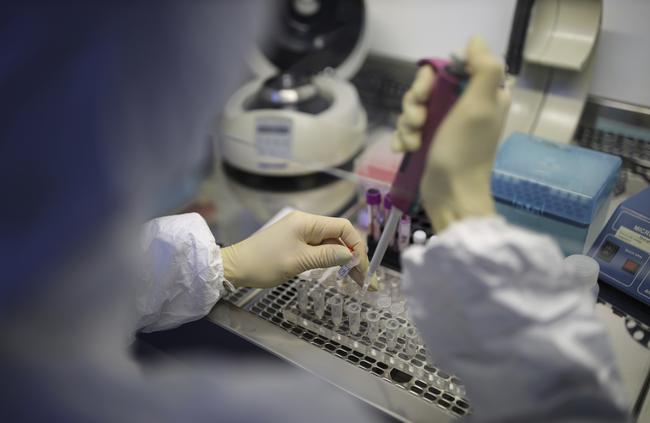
183 272
495 307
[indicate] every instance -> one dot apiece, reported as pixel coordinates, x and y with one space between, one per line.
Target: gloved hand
456 181
298 242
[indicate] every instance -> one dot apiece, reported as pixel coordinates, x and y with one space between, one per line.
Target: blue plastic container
559 189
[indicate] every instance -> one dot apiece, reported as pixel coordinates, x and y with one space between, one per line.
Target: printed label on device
623 251
273 137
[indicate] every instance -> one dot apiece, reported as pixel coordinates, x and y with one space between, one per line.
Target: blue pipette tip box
559 189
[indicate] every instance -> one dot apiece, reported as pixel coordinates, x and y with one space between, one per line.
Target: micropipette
450 80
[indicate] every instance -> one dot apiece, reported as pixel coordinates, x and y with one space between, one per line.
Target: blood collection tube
303 295
372 319
391 333
354 317
404 232
336 309
411 346
373 201
388 204
318 297
316 275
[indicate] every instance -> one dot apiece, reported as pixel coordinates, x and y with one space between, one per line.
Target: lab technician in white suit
492 301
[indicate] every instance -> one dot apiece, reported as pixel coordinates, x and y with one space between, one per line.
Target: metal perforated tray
413 374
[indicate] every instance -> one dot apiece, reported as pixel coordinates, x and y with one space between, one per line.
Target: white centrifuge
300 115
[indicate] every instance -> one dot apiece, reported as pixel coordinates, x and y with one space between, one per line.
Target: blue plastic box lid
561 180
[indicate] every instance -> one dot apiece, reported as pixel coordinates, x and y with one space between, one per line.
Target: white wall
412 29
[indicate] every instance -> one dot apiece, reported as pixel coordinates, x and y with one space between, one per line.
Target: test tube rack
414 373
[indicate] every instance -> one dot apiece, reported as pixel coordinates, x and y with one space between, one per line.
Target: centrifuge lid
309 36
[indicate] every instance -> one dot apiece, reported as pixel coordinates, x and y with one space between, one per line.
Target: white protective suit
495 306
183 275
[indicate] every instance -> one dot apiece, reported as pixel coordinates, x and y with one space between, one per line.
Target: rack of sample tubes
372 332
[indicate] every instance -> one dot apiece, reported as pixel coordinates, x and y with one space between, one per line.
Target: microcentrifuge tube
383 301
411 346
391 333
381 273
372 319
395 290
303 295
345 269
316 274
336 309
354 317
318 296
397 308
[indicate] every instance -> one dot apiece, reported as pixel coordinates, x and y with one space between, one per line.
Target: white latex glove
456 181
298 242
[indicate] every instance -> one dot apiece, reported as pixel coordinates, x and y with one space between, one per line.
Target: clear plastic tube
391 333
303 295
383 301
411 346
318 297
336 309
316 274
372 319
395 290
398 308
353 311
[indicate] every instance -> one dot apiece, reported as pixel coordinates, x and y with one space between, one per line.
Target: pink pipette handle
406 185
